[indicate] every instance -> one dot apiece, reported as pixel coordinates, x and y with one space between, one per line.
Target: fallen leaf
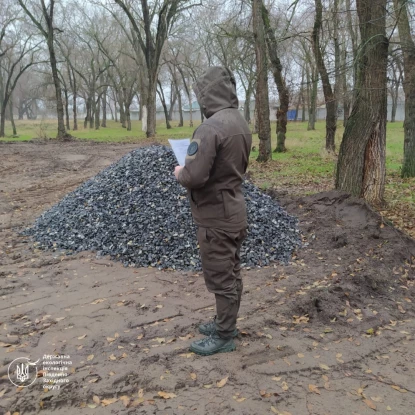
370 404
207 386
239 399
376 398
82 337
3 392
193 376
110 339
112 357
137 402
99 300
167 395
300 355
125 400
284 386
222 382
313 388
141 393
106 402
90 357
323 366
96 399
401 309
91 405
139 337
277 379
186 355
388 408
93 380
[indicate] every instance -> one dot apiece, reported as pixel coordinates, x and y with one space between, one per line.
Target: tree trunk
173 98
331 113
300 96
179 102
12 118
20 108
128 117
247 106
74 104
2 120
88 111
283 92
361 164
190 111
408 46
262 99
68 127
151 104
312 111
144 119
97 111
163 102
122 109
93 109
394 98
346 98
104 108
353 38
62 134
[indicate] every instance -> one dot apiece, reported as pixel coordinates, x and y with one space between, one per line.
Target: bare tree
151 42
279 79
331 118
45 25
361 165
262 99
16 56
408 47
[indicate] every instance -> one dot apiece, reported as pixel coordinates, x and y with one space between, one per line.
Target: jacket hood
216 90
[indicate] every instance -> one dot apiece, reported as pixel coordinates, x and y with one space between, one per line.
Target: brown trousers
221 266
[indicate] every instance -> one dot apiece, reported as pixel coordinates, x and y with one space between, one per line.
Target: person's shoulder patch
192 149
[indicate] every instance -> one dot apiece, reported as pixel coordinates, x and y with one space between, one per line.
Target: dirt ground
332 332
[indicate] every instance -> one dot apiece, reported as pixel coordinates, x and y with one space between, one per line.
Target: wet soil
332 332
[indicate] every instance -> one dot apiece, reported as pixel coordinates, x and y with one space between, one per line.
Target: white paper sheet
179 148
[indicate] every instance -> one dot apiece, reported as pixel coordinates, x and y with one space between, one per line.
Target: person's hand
177 171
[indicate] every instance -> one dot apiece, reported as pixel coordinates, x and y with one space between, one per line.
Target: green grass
304 169
28 130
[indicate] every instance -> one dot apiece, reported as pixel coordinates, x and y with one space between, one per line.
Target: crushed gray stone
136 212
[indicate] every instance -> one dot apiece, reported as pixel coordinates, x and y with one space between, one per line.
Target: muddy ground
330 333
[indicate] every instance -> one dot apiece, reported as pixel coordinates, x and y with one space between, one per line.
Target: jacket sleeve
200 158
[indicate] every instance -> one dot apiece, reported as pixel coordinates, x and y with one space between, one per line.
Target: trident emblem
22 372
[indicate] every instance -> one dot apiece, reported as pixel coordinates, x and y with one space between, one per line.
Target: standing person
216 161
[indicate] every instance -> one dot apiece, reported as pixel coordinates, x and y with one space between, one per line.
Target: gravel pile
136 212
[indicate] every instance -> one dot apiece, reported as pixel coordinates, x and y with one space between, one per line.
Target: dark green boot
209 328
211 345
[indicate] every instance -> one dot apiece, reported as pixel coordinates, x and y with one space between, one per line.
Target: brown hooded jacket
218 155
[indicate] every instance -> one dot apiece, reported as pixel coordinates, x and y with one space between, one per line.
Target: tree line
105 56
